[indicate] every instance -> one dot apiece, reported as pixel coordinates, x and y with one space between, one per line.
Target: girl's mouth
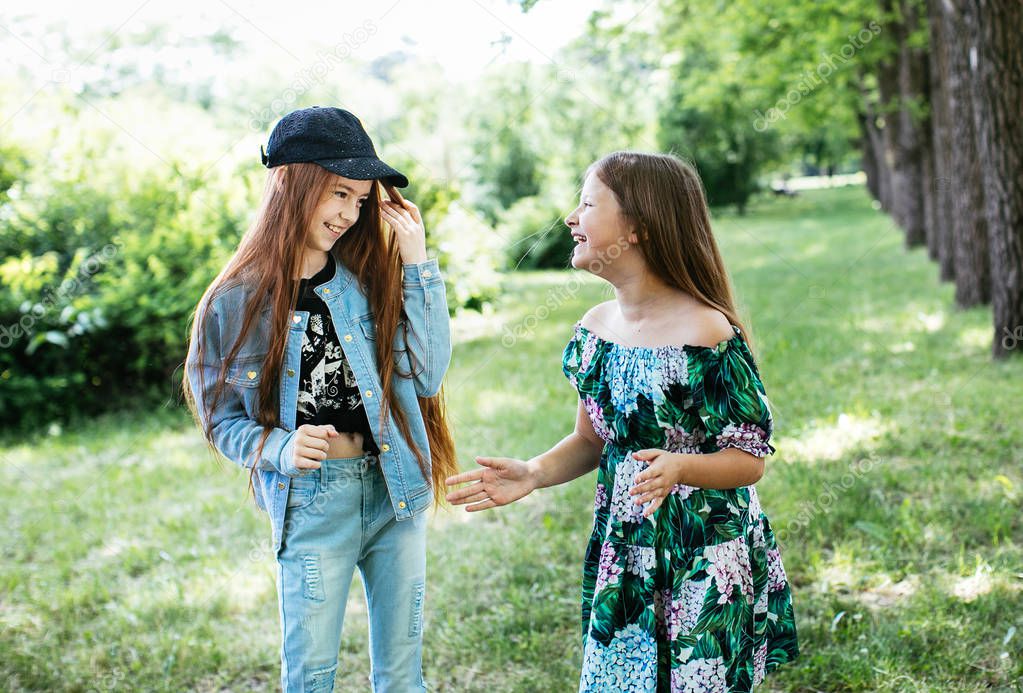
335 231
578 238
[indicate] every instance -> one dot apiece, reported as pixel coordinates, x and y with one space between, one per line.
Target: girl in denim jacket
315 361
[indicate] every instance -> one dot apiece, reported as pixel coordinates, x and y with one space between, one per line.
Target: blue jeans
340 517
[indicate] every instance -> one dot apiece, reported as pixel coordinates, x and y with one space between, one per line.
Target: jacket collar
338 283
335 286
344 276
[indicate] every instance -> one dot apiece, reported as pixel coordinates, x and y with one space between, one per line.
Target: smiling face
337 212
600 230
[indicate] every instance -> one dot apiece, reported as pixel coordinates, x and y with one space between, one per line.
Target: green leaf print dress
693 598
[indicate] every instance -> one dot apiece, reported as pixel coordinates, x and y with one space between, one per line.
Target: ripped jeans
340 517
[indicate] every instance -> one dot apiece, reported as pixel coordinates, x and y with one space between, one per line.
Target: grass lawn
132 561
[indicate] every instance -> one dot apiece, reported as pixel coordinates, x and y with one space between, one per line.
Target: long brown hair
268 257
663 197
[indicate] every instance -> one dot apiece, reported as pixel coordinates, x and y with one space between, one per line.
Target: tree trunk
876 141
997 69
969 224
869 162
900 84
941 232
909 184
930 179
927 169
888 126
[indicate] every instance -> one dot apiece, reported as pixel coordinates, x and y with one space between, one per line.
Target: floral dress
693 598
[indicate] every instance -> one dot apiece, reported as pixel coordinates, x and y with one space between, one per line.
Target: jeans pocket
303 490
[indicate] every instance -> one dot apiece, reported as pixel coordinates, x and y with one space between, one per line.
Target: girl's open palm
499 481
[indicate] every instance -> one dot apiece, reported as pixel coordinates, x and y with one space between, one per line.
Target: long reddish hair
663 197
268 257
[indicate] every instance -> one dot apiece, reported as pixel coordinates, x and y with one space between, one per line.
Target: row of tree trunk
942 141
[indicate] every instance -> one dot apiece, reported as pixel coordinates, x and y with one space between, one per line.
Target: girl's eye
343 195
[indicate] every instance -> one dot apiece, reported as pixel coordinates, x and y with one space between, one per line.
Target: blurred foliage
534 233
126 186
99 283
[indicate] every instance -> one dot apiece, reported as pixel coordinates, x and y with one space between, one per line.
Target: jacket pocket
367 325
245 375
246 371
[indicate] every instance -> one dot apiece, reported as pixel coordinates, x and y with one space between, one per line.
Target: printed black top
327 390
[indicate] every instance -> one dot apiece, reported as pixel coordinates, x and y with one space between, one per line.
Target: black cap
331 137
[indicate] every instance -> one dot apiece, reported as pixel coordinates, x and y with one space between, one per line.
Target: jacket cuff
286 459
422 274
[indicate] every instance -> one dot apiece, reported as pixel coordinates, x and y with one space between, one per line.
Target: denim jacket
236 433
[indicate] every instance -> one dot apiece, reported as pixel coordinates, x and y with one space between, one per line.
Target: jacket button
369 393
427 273
251 374
291 371
280 485
348 337
385 447
326 291
297 318
401 504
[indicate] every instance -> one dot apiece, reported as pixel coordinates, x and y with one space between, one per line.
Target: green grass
134 562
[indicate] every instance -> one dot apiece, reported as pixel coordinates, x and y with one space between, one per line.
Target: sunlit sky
464 36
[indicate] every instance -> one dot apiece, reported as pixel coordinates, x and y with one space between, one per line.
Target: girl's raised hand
499 481
406 222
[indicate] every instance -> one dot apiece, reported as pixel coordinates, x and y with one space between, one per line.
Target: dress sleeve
570 362
578 360
731 398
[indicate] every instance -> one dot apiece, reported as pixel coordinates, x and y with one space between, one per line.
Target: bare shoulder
703 326
597 316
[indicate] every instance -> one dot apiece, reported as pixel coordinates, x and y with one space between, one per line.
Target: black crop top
327 390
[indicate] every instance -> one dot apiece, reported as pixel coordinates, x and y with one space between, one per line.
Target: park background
864 161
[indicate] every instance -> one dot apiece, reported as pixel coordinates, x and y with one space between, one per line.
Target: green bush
96 303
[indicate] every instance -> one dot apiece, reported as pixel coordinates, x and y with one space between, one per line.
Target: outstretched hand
498 481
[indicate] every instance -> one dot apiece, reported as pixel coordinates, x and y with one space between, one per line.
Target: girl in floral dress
683 584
